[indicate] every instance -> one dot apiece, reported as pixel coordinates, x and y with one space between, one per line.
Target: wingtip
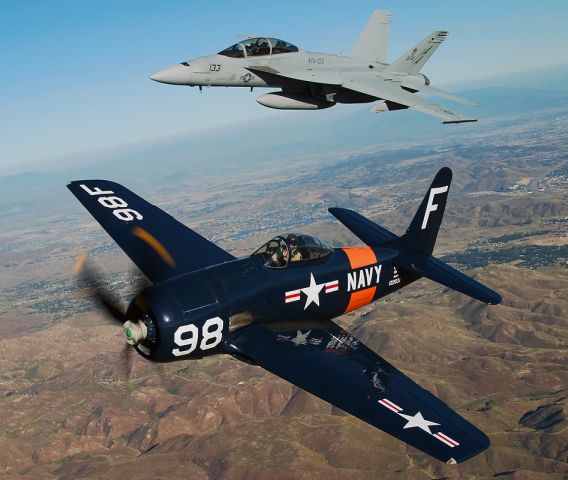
336 210
496 299
339 211
462 120
490 297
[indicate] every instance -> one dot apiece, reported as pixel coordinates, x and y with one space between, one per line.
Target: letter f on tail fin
423 230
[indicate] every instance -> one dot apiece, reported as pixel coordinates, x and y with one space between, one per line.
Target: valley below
72 408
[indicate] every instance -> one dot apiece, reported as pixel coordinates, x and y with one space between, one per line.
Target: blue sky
75 73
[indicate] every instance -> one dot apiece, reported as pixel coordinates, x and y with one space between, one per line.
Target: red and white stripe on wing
391 406
292 296
447 440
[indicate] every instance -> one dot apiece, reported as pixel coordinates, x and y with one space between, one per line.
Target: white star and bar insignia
299 339
311 292
418 421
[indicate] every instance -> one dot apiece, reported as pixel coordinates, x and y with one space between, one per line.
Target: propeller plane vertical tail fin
413 250
423 230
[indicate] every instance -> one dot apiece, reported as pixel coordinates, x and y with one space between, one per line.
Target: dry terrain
71 408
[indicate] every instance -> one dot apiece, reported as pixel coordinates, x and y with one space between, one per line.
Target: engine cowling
177 321
293 101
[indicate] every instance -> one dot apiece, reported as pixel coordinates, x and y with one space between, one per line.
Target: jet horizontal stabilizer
394 94
436 92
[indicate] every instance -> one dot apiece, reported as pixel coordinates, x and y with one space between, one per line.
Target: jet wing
393 93
156 242
381 89
327 361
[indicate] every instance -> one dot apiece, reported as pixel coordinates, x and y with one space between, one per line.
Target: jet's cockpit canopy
290 248
257 46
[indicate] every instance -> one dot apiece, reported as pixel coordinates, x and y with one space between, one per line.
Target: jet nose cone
156 77
174 75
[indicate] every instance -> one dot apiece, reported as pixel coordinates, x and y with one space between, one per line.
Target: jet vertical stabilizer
412 61
372 43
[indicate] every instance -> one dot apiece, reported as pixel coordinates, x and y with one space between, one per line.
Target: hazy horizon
75 78
105 153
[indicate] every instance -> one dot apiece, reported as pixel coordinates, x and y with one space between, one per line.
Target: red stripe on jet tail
391 406
447 440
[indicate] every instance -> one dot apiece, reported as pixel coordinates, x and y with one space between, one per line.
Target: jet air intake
293 101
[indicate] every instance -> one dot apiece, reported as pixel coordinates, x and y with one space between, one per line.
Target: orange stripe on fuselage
360 256
360 298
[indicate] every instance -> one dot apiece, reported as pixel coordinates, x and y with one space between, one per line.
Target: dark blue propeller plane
275 307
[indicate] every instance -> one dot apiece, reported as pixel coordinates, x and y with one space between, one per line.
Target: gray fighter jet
313 81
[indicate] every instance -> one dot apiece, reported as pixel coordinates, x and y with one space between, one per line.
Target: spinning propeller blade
89 278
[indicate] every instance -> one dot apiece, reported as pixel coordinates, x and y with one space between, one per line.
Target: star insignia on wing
418 421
